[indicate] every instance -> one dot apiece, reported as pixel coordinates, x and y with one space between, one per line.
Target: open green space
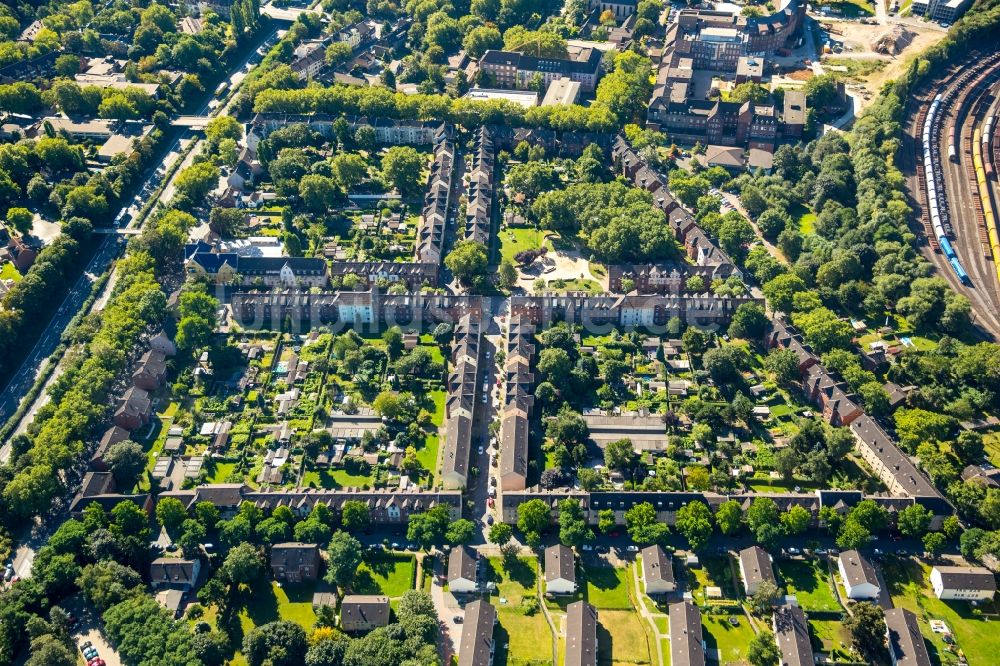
731 641
607 587
851 7
809 581
622 639
514 240
334 478
975 633
831 637
523 638
991 441
804 218
390 574
8 272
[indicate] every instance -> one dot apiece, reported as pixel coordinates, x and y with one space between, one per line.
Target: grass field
607 587
804 218
521 640
8 272
831 637
809 581
621 639
334 478
390 574
267 602
910 588
852 7
991 441
517 240
729 640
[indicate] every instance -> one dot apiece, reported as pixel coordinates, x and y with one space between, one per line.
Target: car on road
586 548
395 546
479 451
632 548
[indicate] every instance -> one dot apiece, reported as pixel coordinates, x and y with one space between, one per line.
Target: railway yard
951 159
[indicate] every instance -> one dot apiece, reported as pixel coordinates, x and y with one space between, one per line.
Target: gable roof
560 563
791 631
462 564
686 641
906 645
581 634
656 565
757 565
967 578
857 569
476 647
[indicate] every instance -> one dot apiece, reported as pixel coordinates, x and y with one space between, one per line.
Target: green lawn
713 572
221 472
576 284
622 639
517 240
390 574
522 640
852 7
910 588
832 637
805 218
607 587
991 441
334 478
267 602
809 581
8 272
729 640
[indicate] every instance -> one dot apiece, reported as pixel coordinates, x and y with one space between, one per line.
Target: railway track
958 91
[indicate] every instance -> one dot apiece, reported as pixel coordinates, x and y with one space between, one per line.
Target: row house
607 311
309 59
479 206
151 372
668 503
561 143
388 131
511 69
699 247
437 205
460 404
518 402
203 261
830 395
368 309
663 278
893 467
384 506
413 275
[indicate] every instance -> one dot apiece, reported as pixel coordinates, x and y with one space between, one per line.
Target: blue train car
946 247
959 271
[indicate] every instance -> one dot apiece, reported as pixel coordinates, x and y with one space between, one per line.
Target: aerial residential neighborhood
499 333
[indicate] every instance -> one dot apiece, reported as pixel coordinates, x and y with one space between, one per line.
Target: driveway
447 609
89 629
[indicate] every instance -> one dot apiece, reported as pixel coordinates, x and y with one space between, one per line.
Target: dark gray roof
560 563
967 578
363 610
757 565
462 564
476 645
171 570
858 569
686 641
656 565
581 634
792 634
906 645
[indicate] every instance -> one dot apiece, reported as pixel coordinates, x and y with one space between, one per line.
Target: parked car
632 548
